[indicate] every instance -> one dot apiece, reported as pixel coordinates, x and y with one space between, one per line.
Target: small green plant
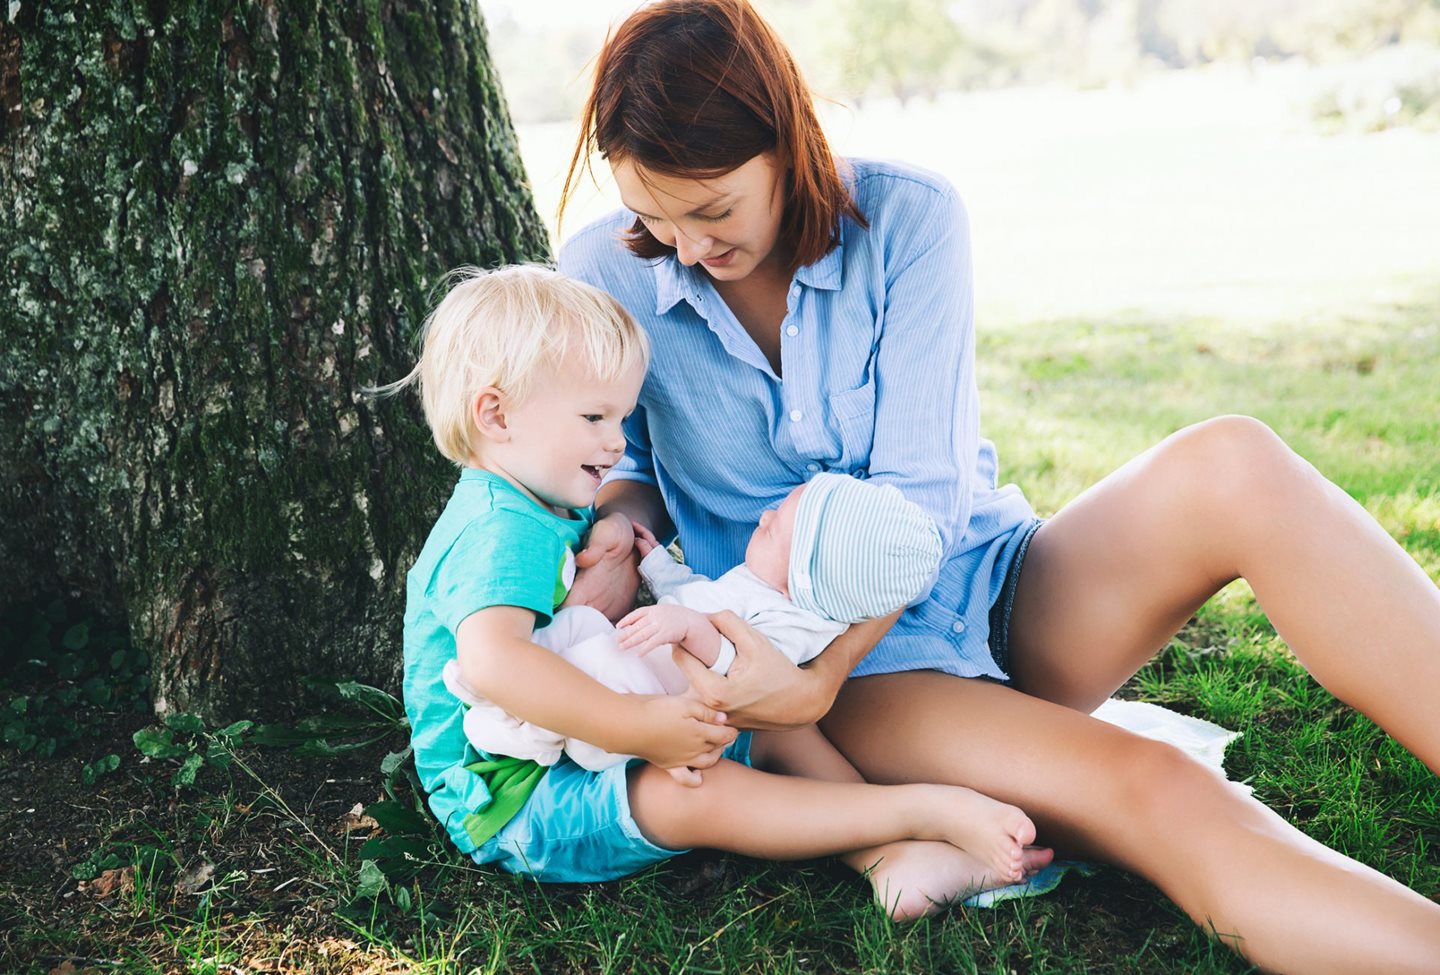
142 856
64 674
184 737
91 772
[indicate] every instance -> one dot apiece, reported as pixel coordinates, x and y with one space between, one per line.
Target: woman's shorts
1004 604
576 827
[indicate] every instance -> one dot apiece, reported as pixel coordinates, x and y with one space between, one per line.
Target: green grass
1067 402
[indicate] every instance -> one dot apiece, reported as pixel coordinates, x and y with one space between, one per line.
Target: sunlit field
1192 195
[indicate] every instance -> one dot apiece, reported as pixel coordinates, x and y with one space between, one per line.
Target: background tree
900 47
220 221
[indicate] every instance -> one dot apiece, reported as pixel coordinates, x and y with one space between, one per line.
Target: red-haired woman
808 314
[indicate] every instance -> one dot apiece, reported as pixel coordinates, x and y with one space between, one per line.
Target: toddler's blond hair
502 328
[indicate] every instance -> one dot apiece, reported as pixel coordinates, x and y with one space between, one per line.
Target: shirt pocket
853 411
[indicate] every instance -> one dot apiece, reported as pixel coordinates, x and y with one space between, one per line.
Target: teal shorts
576 827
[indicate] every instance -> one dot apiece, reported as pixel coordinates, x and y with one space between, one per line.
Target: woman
806 316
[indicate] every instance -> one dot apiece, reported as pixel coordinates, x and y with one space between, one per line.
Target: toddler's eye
592 417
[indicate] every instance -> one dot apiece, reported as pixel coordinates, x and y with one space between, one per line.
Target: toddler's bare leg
911 878
781 817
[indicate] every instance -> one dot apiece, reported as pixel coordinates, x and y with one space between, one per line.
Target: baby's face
768 554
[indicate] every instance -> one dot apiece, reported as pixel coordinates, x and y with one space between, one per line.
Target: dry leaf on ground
120 880
196 880
356 819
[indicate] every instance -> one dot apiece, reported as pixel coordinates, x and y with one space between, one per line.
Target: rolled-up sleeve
927 422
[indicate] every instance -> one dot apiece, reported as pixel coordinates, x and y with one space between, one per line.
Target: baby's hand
648 627
645 540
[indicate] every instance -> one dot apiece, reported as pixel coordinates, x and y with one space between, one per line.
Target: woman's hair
696 88
505 327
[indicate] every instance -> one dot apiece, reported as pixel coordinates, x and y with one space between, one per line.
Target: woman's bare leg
910 878
1118 571
1283 900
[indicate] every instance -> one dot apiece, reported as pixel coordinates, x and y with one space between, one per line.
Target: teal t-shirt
491 546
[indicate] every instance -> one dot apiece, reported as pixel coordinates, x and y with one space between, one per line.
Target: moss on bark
221 220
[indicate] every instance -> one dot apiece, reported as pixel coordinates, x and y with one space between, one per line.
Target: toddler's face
565 435
768 554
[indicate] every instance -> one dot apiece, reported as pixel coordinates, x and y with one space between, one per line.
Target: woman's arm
498 661
763 689
637 500
928 342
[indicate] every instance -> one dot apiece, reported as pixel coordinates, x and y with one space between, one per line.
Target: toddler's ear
486 413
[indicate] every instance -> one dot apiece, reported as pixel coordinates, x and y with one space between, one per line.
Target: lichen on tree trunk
222 220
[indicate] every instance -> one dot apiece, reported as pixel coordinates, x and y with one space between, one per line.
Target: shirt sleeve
511 562
664 575
927 414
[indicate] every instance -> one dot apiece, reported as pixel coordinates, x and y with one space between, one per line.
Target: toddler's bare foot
915 879
993 832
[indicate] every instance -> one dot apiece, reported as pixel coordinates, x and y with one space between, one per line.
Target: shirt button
958 626
794 292
812 468
792 330
796 416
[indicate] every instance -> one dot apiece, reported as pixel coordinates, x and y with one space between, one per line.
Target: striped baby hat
860 550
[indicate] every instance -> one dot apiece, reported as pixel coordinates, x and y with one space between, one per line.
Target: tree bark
222 220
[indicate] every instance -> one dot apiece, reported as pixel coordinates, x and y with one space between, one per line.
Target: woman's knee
1232 463
1161 786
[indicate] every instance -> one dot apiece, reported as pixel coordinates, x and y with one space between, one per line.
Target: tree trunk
222 220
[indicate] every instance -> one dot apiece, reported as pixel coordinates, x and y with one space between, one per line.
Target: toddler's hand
648 627
679 732
606 578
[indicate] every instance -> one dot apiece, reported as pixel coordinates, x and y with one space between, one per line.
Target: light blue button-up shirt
877 353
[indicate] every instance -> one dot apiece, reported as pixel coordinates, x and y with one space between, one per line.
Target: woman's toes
1035 859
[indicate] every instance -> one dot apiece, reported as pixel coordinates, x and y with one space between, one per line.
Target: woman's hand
763 689
606 577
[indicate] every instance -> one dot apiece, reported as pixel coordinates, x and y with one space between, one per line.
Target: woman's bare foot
915 879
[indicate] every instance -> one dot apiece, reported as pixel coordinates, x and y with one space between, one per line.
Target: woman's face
728 224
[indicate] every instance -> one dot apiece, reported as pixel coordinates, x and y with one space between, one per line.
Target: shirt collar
674 282
826 273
